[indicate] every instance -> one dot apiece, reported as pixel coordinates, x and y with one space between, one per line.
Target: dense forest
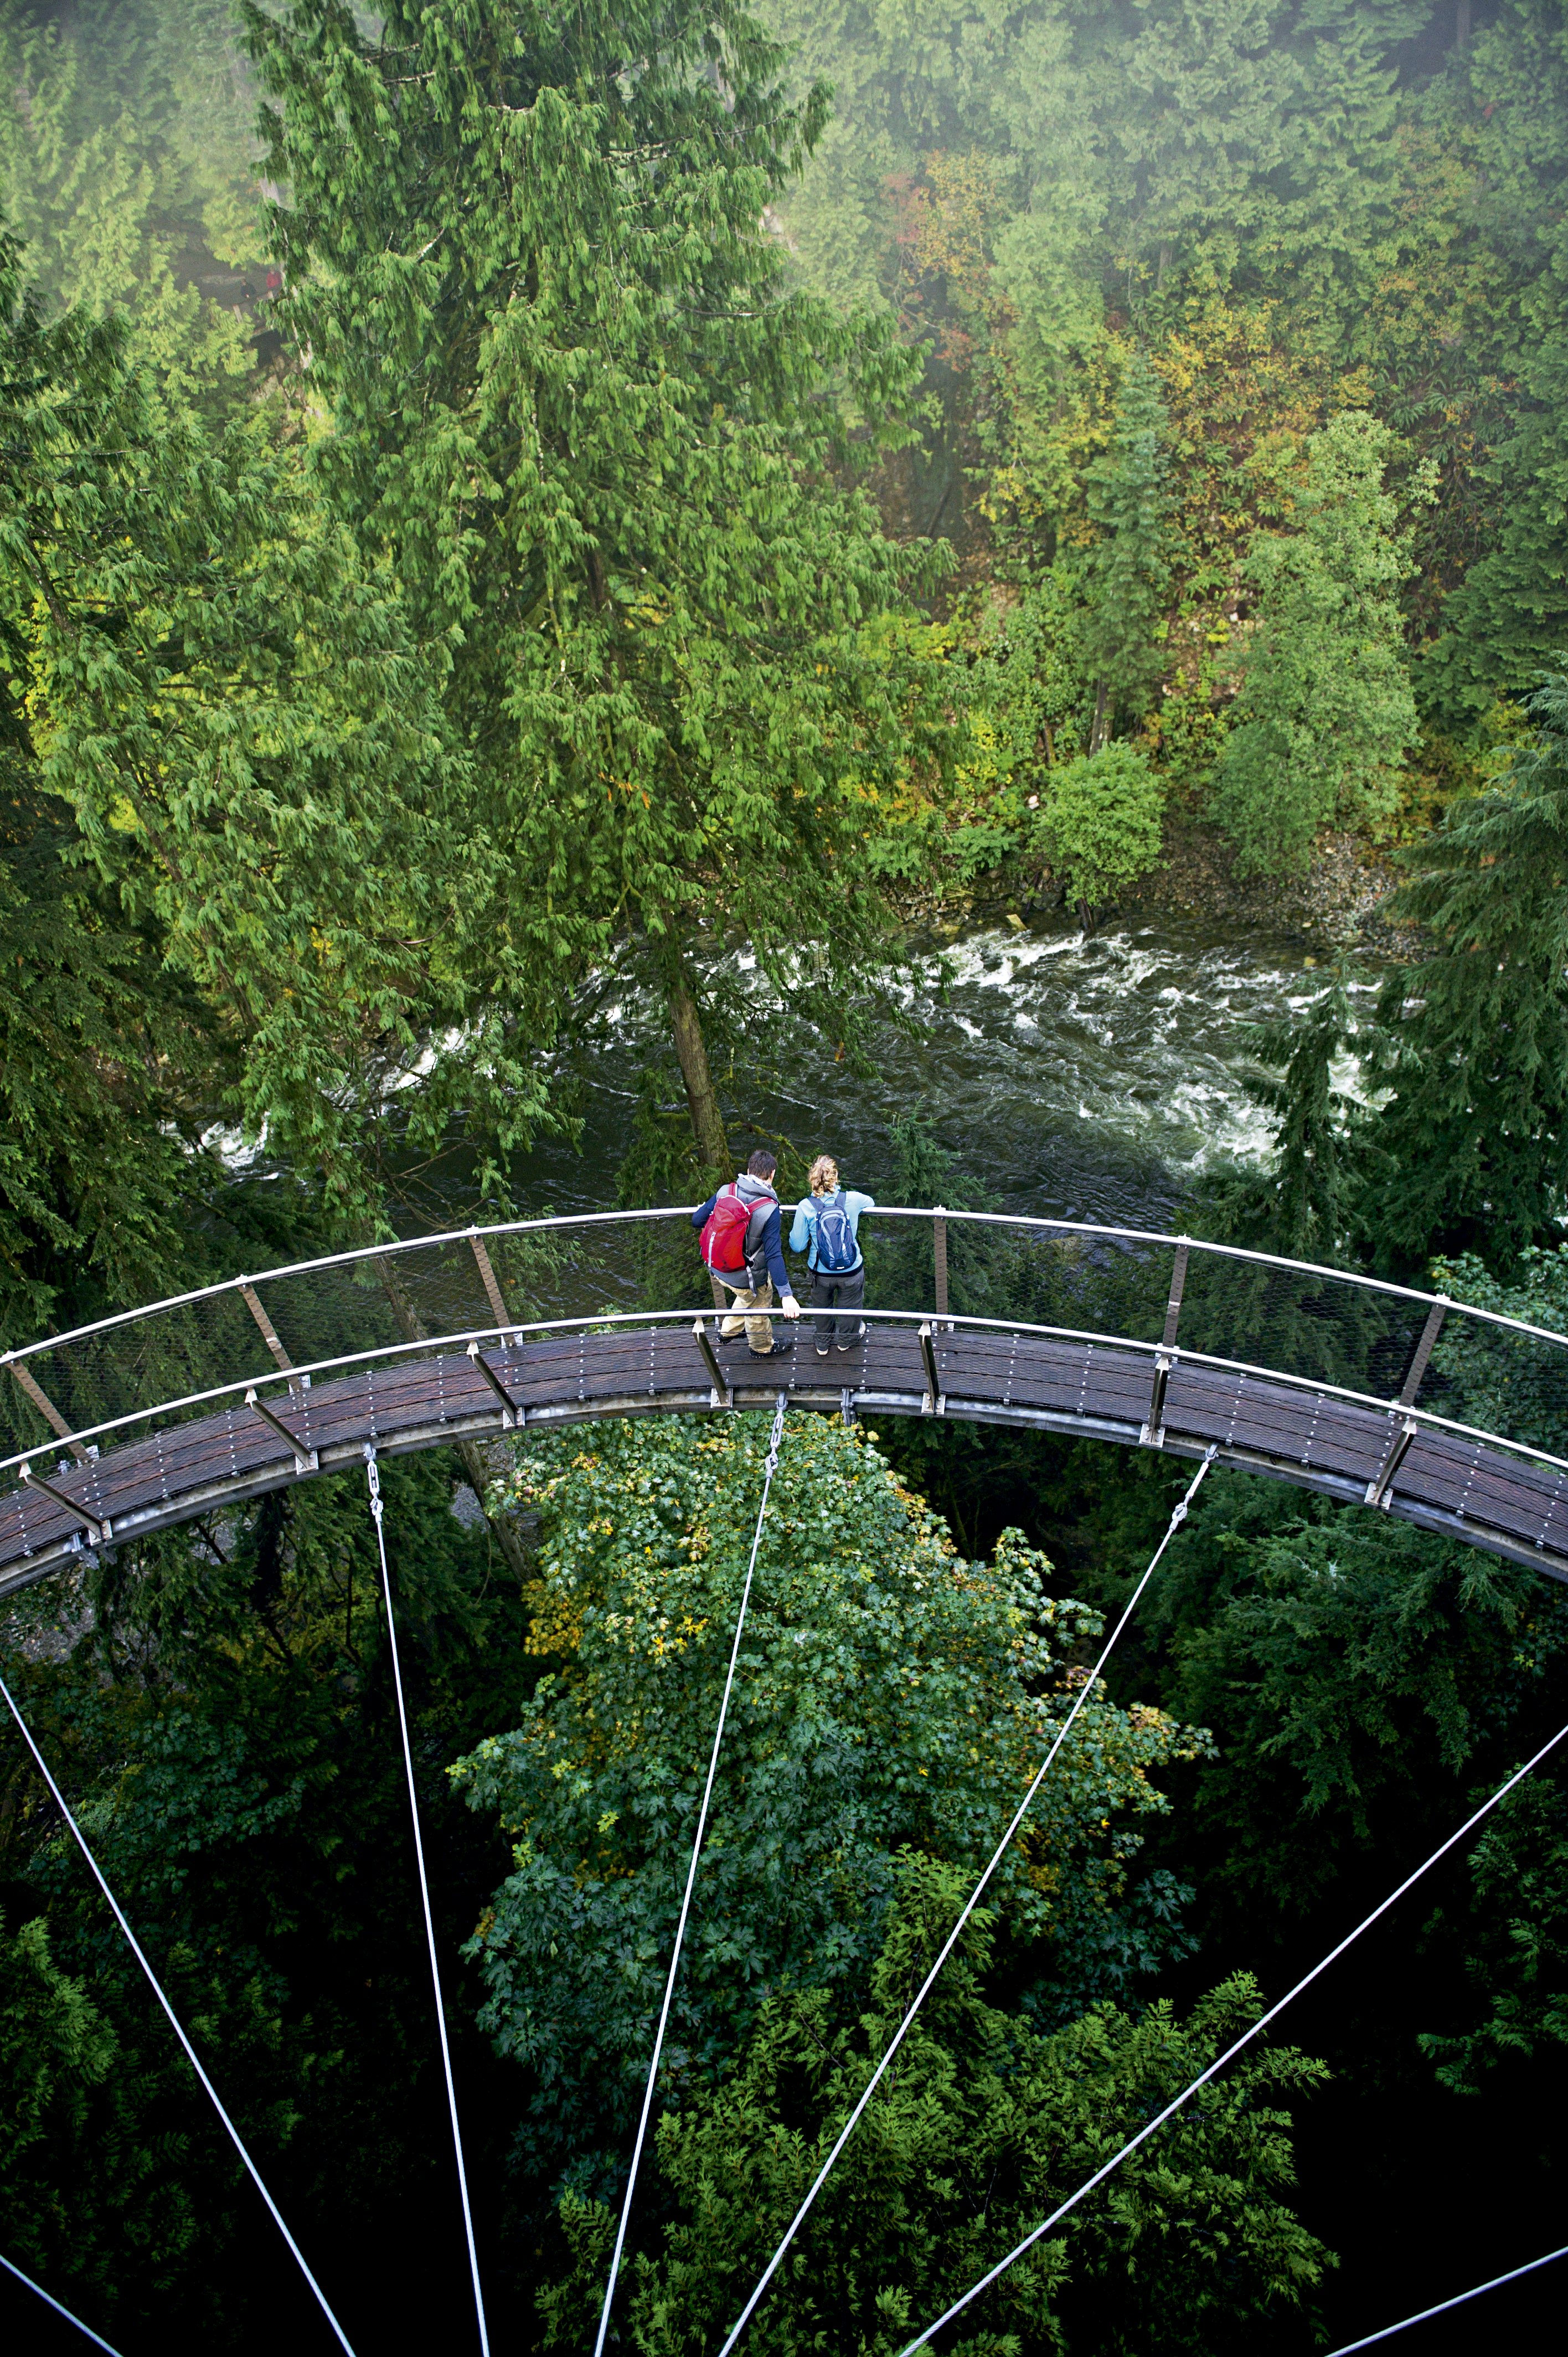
535 539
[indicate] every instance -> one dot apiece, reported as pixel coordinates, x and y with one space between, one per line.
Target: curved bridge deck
1439 1479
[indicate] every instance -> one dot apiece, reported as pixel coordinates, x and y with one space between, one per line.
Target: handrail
554 1220
597 1321
333 1260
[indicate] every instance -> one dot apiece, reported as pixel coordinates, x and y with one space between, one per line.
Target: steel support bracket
305 1461
846 1408
513 1414
99 1532
722 1394
1153 1435
1178 1286
1380 1489
935 1402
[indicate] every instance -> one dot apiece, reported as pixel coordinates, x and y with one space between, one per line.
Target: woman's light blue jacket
804 1232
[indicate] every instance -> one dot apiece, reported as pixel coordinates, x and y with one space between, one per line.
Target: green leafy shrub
1099 821
1516 1938
1490 1376
89 2174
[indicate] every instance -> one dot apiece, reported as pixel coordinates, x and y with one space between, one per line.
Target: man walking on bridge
744 1248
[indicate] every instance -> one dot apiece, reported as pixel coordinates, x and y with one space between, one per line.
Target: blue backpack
836 1247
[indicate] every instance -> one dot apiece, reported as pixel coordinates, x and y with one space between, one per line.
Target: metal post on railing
493 1293
1423 1350
45 1407
252 1301
1153 1435
1381 1488
940 1257
935 1403
513 1413
98 1528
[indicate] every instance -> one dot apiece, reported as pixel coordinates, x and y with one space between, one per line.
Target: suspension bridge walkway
1446 1416
1441 1414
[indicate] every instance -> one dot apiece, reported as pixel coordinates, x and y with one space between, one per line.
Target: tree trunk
1097 734
707 1122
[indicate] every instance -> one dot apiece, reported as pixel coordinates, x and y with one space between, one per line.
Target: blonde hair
824 1174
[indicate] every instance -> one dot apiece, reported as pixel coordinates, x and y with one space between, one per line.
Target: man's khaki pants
759 1332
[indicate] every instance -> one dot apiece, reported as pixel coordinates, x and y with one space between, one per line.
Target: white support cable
1178 1516
1230 2055
1444 2305
50 2301
770 1466
374 1479
175 2023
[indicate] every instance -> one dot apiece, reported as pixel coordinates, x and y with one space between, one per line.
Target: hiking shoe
822 1349
779 1350
854 1341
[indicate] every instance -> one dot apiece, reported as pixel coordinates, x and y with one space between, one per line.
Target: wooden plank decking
1482 1494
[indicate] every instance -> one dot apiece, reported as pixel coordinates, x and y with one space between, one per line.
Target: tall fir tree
1476 1122
230 703
1326 710
576 405
1302 1204
1503 105
1129 570
1509 618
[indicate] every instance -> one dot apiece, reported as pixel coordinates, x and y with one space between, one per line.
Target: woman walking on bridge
827 1222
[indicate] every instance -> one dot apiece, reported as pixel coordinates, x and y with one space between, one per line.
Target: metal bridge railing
1441 1361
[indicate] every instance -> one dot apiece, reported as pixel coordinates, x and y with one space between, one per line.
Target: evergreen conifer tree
1509 617
1477 1125
127 168
229 702
1326 710
1130 567
1302 1204
574 404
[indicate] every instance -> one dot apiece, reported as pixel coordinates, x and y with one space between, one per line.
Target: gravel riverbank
1339 902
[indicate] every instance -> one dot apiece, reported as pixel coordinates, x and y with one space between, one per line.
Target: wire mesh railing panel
658 1267
1499 1380
22 1424
1318 1327
188 1347
323 1314
1089 1283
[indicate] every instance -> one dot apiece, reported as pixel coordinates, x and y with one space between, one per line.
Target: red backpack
723 1243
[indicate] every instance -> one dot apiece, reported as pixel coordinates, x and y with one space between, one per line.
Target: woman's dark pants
846 1292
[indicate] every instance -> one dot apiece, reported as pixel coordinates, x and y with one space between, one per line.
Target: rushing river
1083 1078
